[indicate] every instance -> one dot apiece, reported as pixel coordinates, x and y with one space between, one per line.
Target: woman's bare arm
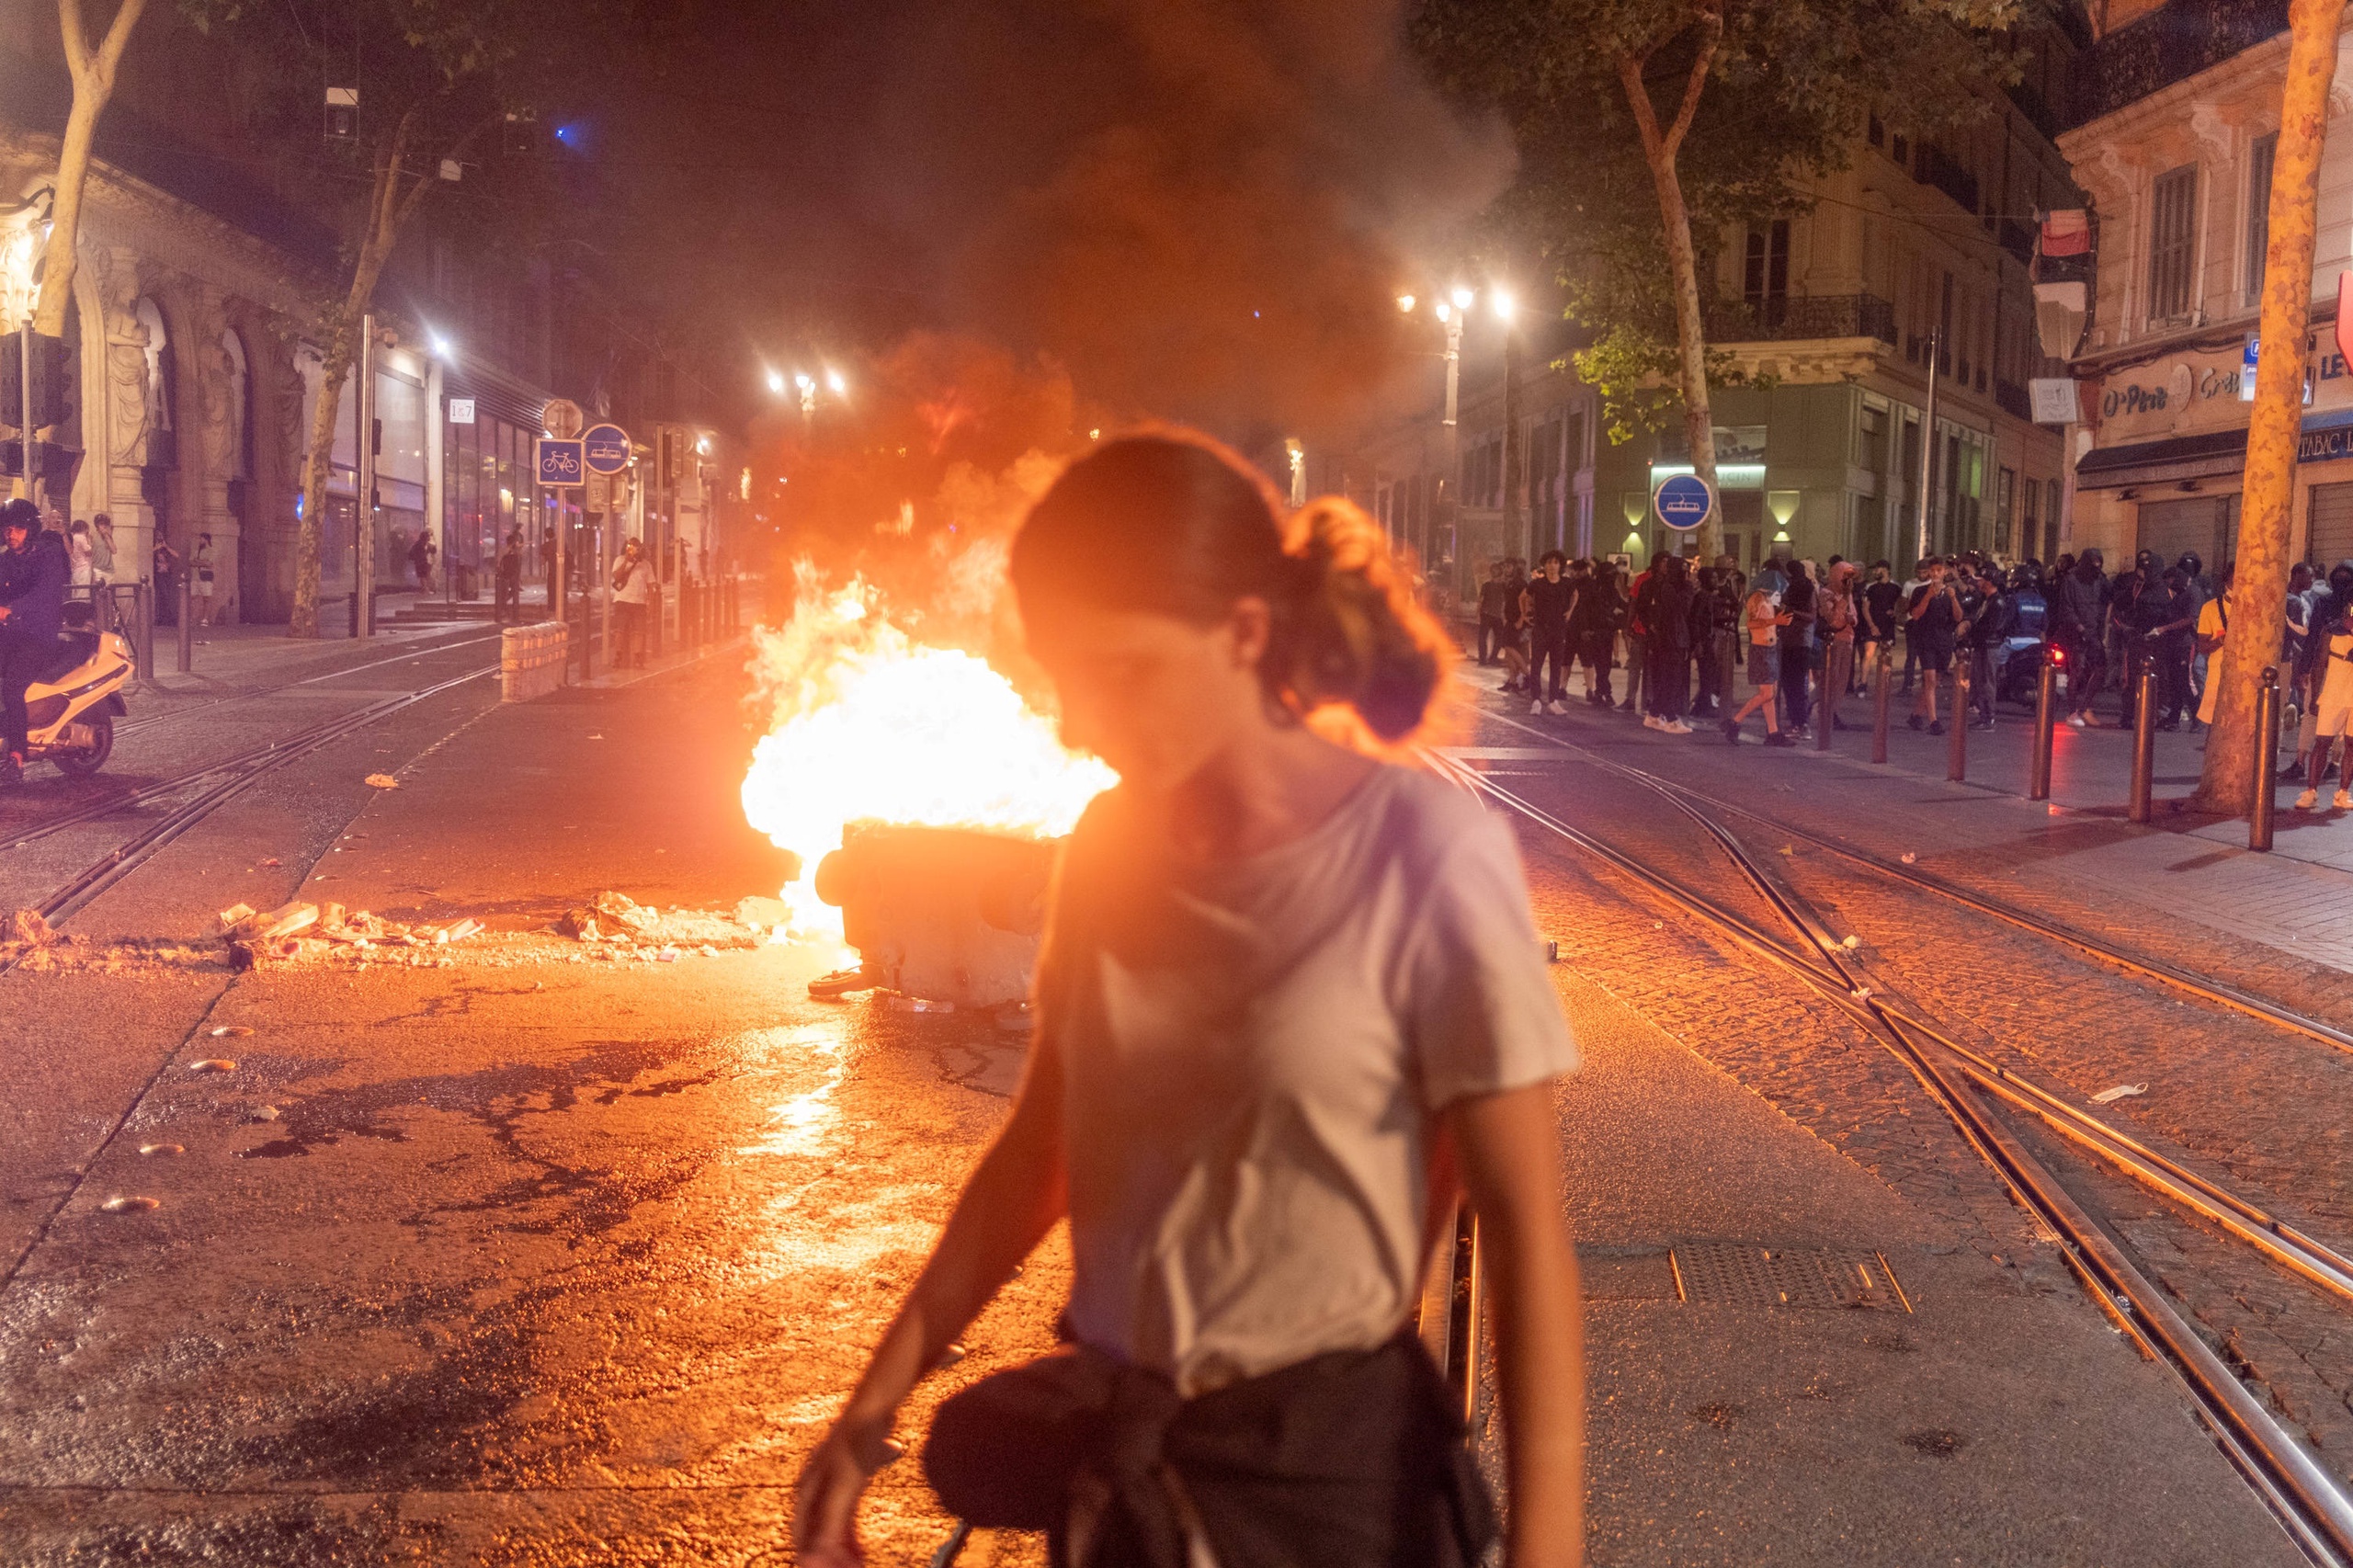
1014 1196
1510 1151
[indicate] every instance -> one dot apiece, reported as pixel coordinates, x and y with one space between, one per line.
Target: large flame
868 724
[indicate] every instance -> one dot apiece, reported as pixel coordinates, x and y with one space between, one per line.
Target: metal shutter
2171 526
2330 537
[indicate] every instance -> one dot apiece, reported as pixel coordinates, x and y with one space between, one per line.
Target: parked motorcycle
71 707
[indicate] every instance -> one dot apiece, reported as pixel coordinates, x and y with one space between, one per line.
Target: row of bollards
2139 800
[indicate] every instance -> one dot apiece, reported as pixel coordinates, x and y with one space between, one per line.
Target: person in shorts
1937 621
1762 618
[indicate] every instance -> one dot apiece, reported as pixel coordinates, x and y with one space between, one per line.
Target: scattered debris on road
130 1205
2122 1091
161 1149
26 928
213 1064
383 782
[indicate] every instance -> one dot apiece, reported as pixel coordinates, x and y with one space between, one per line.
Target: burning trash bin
944 914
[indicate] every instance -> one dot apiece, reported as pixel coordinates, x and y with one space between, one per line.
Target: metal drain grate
1738 1274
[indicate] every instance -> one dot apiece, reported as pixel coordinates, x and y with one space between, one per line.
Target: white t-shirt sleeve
1480 1011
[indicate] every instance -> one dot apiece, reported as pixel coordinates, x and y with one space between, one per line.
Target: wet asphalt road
527 1259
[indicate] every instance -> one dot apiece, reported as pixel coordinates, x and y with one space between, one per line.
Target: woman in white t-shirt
1288 990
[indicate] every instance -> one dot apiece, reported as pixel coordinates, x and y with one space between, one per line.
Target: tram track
2309 1503
217 783
2203 988
165 789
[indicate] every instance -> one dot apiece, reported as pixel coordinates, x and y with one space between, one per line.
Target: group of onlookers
1809 638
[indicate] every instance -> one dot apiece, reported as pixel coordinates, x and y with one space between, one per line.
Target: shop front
2169 468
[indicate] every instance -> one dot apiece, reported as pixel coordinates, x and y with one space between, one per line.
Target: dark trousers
1637 654
2087 669
1796 702
2173 682
1982 682
20 658
507 601
1490 637
1710 654
1670 678
1599 656
1551 651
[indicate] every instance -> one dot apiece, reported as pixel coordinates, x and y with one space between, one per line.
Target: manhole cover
1742 1274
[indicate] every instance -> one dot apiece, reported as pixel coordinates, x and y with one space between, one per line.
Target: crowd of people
1808 637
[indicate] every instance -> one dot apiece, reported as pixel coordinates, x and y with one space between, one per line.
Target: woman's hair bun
1357 635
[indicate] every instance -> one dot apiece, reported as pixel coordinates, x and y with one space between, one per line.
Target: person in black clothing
2171 642
507 574
1797 648
2077 627
1882 615
1991 620
1546 602
1666 610
1713 613
1936 623
1493 613
34 572
1601 611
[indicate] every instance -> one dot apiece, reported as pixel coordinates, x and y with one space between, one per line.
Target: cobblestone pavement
2235 1097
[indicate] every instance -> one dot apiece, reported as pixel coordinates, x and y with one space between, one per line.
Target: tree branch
424 182
1711 27
1638 99
77 36
118 34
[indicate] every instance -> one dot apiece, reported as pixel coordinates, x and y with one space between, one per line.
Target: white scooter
71 707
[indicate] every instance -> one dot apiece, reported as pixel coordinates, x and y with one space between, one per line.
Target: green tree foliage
1647 128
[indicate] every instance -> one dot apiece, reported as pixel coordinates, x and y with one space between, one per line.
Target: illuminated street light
1445 312
440 346
834 384
1462 297
776 382
1406 304
1504 304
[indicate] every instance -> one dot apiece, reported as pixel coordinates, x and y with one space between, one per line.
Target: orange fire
868 724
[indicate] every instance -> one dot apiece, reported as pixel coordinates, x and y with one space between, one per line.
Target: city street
525 1250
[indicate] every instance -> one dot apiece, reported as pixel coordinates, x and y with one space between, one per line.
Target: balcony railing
1803 316
2178 41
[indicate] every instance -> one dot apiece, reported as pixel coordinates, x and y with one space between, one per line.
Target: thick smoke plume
1204 211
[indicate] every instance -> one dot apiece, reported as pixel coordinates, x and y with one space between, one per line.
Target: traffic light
56 392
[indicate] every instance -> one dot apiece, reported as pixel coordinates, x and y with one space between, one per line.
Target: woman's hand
825 1500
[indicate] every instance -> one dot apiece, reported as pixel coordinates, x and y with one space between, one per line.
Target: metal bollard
1956 737
1878 708
2046 716
2144 740
188 622
142 618
2266 760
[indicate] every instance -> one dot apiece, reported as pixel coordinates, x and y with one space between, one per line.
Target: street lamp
1503 304
834 384
776 382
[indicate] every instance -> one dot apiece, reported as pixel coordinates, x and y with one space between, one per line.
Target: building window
1875 132
2173 203
1899 149
1765 280
2258 212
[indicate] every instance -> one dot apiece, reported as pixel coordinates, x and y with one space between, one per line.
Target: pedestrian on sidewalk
2328 671
507 575
2171 641
2213 627
102 547
2302 593
1716 617
1668 615
1491 614
1763 619
1911 588
1840 617
1638 642
200 589
1546 602
167 574
632 583
78 554
1936 623
1991 621
2078 615
1797 650
1593 626
1882 606
420 558
1278 971
33 580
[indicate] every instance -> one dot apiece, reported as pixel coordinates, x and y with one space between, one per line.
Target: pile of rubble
614 927
302 929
